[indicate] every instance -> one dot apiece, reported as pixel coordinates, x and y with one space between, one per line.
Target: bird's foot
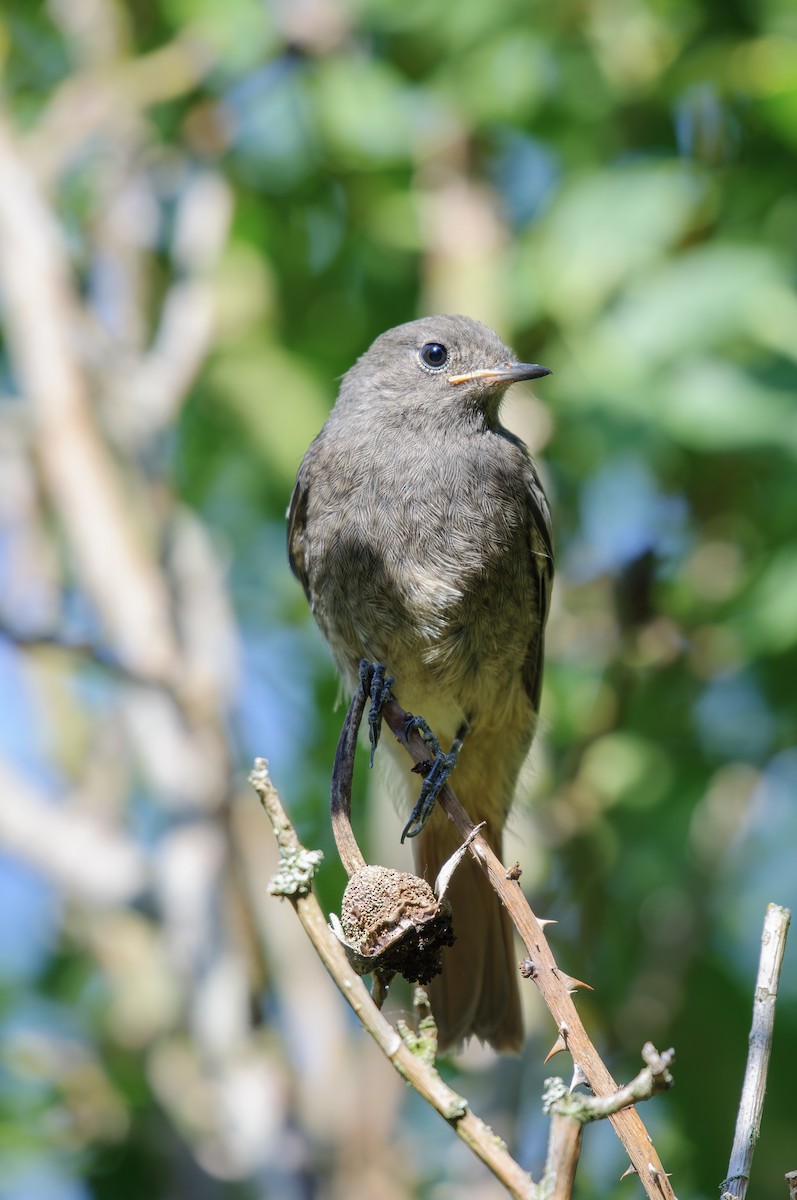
377 686
421 726
435 773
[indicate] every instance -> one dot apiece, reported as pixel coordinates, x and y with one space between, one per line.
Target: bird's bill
505 374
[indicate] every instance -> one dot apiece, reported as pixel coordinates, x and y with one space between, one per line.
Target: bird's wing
297 516
541 547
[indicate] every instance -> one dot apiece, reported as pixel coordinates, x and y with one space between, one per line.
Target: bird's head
436 364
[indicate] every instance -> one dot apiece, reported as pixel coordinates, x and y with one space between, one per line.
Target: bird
420 531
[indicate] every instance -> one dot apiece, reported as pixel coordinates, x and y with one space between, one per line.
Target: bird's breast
423 563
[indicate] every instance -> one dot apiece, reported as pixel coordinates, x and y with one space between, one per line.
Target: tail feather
478 991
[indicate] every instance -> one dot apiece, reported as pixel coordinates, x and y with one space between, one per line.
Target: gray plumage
420 532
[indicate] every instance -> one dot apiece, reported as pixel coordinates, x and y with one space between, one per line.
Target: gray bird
420 532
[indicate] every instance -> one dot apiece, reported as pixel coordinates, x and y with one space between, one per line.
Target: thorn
450 865
630 1170
543 921
578 1077
572 984
559 1045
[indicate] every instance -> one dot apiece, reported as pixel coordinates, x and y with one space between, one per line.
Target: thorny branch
654 1077
423 1077
570 1111
554 985
407 1052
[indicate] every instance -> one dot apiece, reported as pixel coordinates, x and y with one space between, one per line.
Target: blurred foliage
613 185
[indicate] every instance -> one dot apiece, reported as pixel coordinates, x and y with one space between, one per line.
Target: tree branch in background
108 556
79 649
119 571
751 1104
89 858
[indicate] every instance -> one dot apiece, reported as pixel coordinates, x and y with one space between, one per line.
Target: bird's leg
435 773
377 685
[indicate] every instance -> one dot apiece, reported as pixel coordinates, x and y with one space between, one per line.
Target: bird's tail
478 991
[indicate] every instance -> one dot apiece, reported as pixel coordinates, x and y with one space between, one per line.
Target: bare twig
340 792
654 1077
146 397
570 1112
748 1120
554 985
564 1148
293 881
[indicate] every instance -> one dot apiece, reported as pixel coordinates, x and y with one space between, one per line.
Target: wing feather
541 548
297 517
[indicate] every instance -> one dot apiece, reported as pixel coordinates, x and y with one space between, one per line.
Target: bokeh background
207 211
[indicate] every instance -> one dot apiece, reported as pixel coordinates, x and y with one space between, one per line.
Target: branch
564 1148
91 105
413 1054
78 649
554 985
113 560
748 1120
340 791
148 394
570 1112
654 1077
294 881
92 860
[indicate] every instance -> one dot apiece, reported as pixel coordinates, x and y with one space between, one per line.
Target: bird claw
435 772
377 686
421 726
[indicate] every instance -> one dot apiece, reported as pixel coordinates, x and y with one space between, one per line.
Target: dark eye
434 355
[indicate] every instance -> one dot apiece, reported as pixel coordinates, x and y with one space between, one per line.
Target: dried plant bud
392 922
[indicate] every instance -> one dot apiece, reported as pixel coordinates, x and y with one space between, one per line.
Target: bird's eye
434 355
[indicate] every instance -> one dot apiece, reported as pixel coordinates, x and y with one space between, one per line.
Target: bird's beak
504 375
